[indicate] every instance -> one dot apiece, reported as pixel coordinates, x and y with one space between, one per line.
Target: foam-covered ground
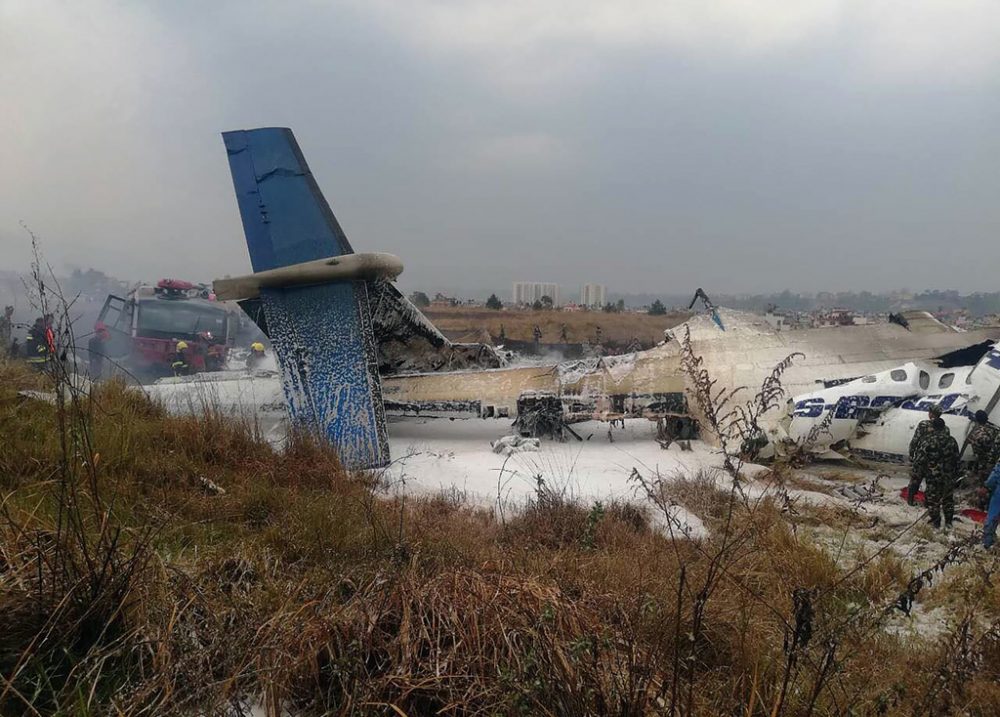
432 455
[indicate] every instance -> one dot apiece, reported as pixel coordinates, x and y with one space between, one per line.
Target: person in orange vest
50 335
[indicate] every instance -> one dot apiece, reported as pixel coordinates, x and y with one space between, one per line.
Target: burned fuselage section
544 399
861 388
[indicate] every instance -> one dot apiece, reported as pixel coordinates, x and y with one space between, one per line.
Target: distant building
593 296
835 317
784 320
440 301
959 318
528 292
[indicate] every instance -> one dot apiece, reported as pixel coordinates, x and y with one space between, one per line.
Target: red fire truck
146 325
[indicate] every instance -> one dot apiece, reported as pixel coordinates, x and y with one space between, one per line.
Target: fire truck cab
146 325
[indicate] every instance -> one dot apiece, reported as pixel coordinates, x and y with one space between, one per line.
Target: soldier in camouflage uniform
936 460
983 440
916 477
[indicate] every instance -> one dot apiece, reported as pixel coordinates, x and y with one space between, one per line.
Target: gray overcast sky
739 145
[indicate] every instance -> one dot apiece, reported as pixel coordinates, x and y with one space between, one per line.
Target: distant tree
608 308
620 306
657 308
420 299
494 303
546 302
537 306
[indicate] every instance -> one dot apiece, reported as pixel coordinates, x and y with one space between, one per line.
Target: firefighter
936 459
214 352
97 349
181 364
39 345
256 357
916 477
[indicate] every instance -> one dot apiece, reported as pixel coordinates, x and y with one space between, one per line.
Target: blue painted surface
861 406
993 512
322 335
285 217
326 351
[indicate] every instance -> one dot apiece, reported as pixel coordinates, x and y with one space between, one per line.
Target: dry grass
472 325
307 588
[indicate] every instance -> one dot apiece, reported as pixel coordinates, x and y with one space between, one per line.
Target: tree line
545 303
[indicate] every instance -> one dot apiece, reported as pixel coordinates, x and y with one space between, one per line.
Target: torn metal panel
408 342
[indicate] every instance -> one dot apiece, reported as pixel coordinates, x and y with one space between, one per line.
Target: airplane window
945 380
898 374
868 379
925 379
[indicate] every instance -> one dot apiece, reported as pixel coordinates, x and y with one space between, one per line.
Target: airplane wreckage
352 349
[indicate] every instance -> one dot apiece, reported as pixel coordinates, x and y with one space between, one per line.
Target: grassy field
129 584
581 326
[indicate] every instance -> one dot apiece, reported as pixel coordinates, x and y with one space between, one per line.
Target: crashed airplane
351 349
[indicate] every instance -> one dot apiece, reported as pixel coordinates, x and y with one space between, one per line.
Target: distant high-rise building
528 292
593 295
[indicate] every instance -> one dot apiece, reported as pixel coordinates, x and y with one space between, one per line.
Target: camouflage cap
934 410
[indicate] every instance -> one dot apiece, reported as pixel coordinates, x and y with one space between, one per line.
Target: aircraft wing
923 322
322 334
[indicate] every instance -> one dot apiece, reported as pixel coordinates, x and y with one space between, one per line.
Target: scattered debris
867 493
210 487
515 444
44 396
540 415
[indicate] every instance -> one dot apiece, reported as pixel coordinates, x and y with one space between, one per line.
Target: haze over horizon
741 146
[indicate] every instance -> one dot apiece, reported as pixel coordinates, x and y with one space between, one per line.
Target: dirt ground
581 326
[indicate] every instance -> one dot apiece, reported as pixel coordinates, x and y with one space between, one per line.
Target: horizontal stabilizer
340 268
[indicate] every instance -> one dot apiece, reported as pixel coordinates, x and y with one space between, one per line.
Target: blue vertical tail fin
322 334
